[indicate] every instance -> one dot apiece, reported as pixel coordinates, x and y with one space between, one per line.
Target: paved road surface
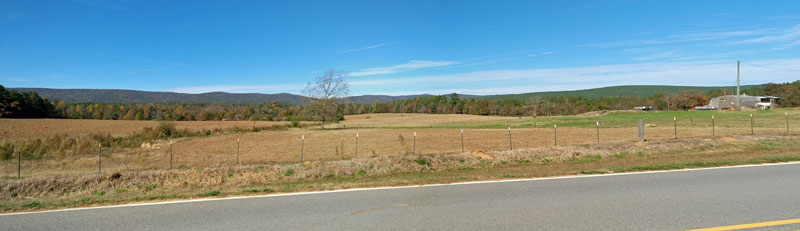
675 200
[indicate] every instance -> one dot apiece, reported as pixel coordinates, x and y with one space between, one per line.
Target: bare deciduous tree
534 102
325 93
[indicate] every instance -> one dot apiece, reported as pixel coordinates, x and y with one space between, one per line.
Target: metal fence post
462 140
99 158
19 164
555 136
237 150
675 125
356 154
302 146
414 148
598 131
170 154
510 146
752 132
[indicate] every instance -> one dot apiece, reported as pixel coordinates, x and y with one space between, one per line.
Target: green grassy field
614 91
731 119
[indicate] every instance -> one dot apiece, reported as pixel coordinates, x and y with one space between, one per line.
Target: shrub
166 129
6 150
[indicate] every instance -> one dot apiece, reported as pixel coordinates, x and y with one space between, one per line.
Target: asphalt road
675 200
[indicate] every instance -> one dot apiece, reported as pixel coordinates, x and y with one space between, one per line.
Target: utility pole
738 63
738 93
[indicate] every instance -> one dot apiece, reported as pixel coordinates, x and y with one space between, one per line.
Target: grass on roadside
376 172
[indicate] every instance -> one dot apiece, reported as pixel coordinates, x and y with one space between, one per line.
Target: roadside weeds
92 190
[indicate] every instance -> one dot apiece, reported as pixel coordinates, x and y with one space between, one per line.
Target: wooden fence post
462 140
641 130
414 148
713 127
786 114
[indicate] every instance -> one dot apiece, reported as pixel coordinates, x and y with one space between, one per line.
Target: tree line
30 105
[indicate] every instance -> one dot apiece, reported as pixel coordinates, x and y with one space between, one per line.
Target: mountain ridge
136 96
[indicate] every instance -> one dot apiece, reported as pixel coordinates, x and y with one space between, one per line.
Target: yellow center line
751 225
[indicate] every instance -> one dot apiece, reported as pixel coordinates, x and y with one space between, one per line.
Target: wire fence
271 147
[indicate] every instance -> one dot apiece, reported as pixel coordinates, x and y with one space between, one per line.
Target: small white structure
729 102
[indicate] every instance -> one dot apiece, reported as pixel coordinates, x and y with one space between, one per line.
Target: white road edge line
400 187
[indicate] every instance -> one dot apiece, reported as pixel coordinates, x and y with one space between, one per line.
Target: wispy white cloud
496 55
276 88
784 35
660 55
477 63
705 73
495 58
411 65
788 45
57 76
686 37
548 52
369 47
699 73
19 80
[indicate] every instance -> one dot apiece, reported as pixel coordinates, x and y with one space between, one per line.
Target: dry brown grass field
380 135
17 129
270 147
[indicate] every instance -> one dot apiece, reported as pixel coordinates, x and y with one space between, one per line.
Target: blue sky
395 47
